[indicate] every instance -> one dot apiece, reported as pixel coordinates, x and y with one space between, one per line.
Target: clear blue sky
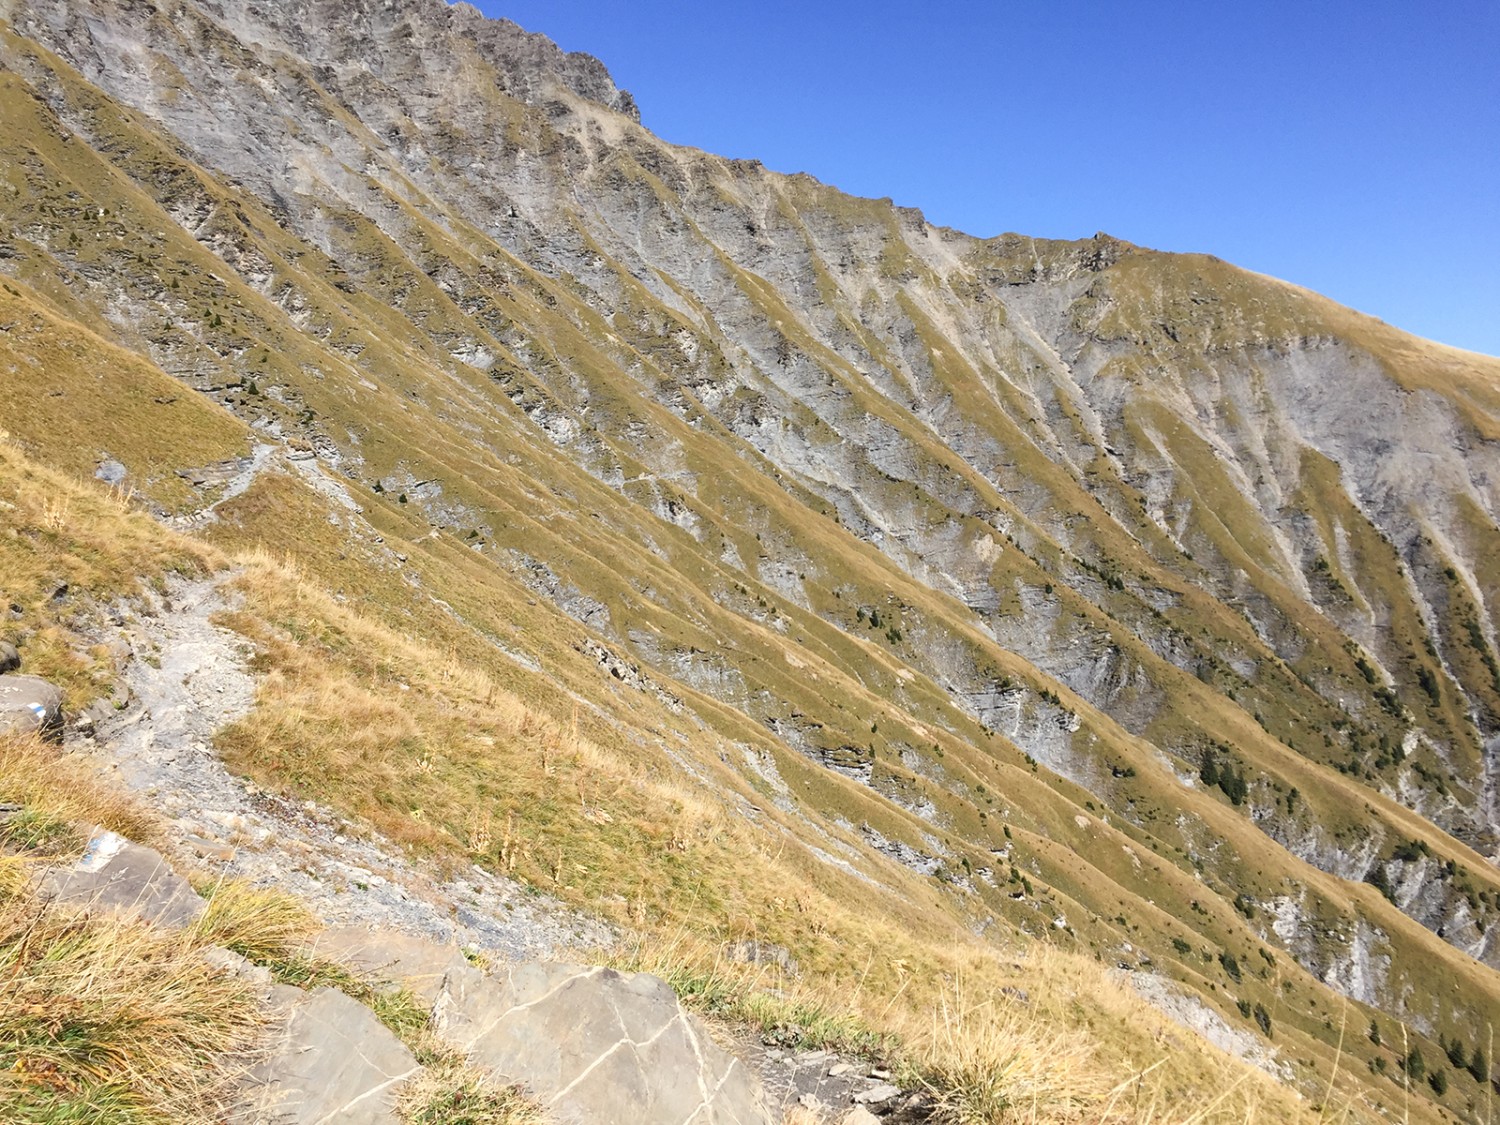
1353 148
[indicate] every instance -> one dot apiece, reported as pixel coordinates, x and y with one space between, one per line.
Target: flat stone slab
597 1046
330 1061
30 704
413 963
115 874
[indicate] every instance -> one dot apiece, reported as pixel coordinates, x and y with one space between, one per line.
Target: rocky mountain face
1166 586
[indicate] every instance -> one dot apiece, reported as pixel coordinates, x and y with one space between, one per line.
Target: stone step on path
328 1059
599 1046
115 874
30 704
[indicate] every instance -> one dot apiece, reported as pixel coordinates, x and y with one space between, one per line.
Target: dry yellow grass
261 923
108 1019
427 748
1072 1047
61 796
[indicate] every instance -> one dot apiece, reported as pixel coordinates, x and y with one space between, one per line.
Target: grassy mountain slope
1121 598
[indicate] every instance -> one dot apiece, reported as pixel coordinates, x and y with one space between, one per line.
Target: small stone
208 849
110 471
881 1073
877 1094
838 1070
859 1115
10 659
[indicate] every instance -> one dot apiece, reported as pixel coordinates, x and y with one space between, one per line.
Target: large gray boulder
115 874
596 1046
29 703
328 1060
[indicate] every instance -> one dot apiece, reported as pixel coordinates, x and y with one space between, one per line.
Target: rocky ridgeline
1111 493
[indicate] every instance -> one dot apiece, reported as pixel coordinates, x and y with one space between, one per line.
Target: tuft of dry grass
263 924
451 1092
104 1018
987 1057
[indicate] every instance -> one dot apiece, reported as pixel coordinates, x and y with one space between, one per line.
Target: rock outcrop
29 703
594 1044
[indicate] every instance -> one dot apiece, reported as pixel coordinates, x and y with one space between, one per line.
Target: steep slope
1136 600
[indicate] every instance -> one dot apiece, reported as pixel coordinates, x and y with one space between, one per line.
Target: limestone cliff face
1137 518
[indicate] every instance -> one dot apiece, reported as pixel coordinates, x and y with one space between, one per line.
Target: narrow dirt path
188 678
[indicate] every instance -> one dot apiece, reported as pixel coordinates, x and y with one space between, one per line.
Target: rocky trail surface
186 678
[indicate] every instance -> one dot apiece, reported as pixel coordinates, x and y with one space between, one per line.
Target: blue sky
1353 148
